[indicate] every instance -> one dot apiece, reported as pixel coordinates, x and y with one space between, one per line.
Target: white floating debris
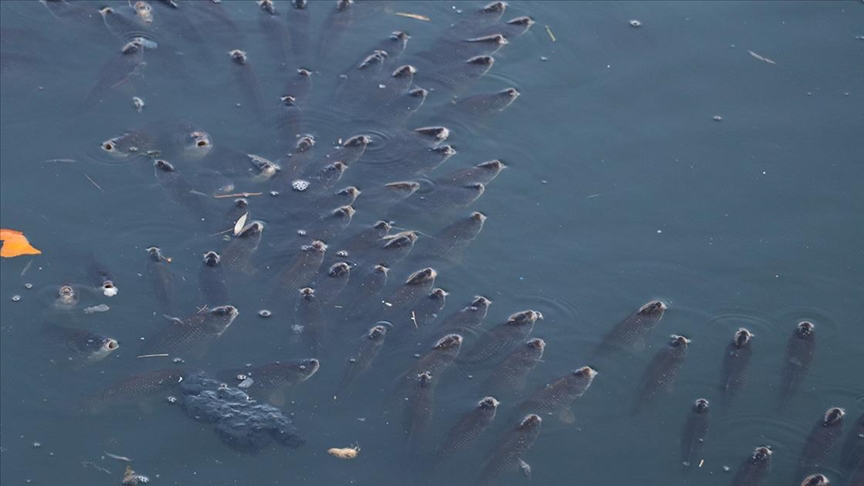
717 118
761 58
300 185
97 308
138 103
109 291
238 226
246 383
635 24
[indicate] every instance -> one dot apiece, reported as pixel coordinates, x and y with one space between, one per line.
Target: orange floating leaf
15 244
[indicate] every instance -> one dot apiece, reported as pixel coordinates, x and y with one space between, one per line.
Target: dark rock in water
242 423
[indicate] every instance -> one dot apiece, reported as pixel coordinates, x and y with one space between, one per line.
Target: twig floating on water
551 35
761 58
239 194
119 458
159 355
93 182
414 16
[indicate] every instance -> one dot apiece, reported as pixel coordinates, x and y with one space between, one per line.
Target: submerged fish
503 337
816 480
632 331
450 242
428 309
135 389
180 190
101 277
190 336
468 428
437 359
820 442
309 320
398 306
211 280
271 380
238 254
79 346
510 376
482 173
511 448
694 433
852 453
800 350
299 272
736 362
662 370
470 316
361 359
161 279
330 285
557 396
755 469
487 103
419 403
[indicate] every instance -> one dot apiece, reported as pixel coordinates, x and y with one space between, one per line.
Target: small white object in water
138 103
97 308
296 328
109 292
635 23
246 383
718 118
300 185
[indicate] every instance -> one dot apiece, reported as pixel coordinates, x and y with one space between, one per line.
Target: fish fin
277 398
567 416
525 468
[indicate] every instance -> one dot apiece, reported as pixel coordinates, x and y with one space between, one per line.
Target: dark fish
298 16
238 209
632 331
79 346
457 76
343 197
382 198
450 242
428 208
503 337
350 150
511 29
755 469
295 98
131 145
450 53
335 26
309 320
295 163
694 433
321 179
470 316
211 280
800 350
328 227
365 238
300 272
212 182
123 21
275 31
467 429
366 288
361 359
270 381
510 376
391 249
331 284
437 359
853 448
190 336
397 308
486 104
135 389
556 397
245 76
483 173
102 277
429 308
238 254
65 297
478 19
121 71
408 152
179 189
419 404
815 480
662 370
820 442
736 362
161 279
511 448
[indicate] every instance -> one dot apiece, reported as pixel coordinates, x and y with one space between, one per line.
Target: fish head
401 240
267 6
511 93
435 132
700 405
450 341
480 303
418 93
163 166
833 416
524 20
421 277
676 341
307 293
405 71
485 62
815 480
238 56
403 188
155 254
530 421
212 259
357 141
655 308
805 330
494 8
742 337
102 348
438 294
424 379
377 333
304 144
585 373
299 4
219 318
488 403
297 371
445 151
67 296
761 454
339 270
524 318
252 230
536 343
351 191
493 39
108 288
381 268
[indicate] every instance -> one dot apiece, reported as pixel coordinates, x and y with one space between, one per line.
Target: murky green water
659 162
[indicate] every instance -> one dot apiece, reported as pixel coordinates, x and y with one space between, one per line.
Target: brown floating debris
761 58
413 16
344 452
551 35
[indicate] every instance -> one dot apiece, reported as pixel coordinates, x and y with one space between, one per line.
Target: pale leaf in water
761 58
238 226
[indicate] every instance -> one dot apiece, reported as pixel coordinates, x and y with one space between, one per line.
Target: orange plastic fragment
15 244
